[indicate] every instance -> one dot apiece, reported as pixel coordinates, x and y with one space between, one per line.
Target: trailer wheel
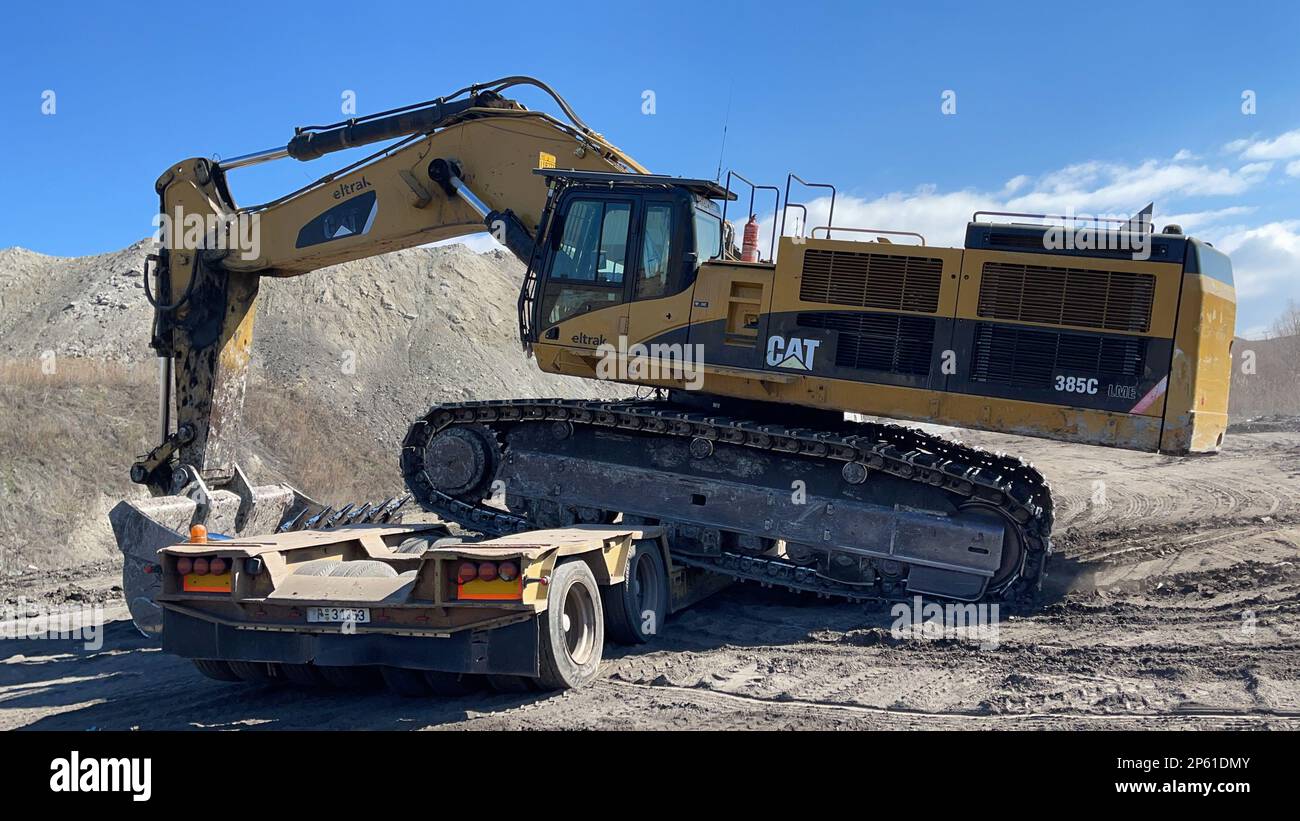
635 609
254 672
304 675
409 683
572 629
349 678
216 669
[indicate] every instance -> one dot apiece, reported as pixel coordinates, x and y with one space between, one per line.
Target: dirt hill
343 358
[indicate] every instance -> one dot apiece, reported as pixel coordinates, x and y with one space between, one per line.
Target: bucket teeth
292 524
338 518
350 514
389 508
315 520
361 514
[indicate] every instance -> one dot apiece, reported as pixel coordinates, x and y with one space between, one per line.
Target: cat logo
794 353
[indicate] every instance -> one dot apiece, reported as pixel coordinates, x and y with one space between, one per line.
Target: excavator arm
461 165
453 166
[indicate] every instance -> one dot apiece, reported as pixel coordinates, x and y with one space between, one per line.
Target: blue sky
1098 109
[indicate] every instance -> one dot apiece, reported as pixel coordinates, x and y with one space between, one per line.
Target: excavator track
546 455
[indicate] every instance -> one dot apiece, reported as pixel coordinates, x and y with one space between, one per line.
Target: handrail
827 229
753 190
830 219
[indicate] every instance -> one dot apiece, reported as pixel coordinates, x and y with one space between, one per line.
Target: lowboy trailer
424 611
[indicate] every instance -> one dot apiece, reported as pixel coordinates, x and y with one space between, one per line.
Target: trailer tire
216 669
362 569
409 683
304 675
636 608
571 631
349 678
254 672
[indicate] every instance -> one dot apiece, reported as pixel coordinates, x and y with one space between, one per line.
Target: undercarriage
860 510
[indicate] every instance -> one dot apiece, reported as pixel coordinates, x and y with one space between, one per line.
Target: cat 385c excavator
750 454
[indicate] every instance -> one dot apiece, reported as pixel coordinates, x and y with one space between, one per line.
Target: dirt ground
1171 603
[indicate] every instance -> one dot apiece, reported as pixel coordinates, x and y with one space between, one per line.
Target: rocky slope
343 359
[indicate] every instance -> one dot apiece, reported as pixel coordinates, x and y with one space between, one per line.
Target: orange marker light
198 533
487 571
468 571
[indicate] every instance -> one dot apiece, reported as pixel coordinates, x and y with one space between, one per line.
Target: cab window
708 235
593 247
588 264
657 234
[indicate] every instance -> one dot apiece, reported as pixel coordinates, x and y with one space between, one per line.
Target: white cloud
1293 168
1280 147
1265 259
1016 183
1192 221
1095 188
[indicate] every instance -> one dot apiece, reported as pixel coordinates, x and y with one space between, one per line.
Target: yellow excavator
751 451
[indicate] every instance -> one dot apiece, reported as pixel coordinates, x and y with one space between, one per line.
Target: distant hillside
412 328
1274 386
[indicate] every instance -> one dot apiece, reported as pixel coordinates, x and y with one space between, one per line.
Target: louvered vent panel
1107 300
892 343
900 283
1031 358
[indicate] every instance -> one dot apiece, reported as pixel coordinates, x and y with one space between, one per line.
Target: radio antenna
726 119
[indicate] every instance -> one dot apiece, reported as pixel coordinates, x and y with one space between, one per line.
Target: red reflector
184 565
487 571
217 566
508 571
468 572
201 566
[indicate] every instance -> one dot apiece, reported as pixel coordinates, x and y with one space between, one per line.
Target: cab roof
705 188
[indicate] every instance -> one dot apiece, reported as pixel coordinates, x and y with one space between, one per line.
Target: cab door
584 293
660 307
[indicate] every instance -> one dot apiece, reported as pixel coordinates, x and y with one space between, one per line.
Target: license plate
336 615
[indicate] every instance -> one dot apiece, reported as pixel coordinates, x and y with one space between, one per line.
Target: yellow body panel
1196 408
1188 414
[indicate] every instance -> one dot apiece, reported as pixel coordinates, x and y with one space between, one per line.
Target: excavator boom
462 165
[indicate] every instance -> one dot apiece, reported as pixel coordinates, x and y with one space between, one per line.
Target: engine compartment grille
901 283
1107 300
892 343
1032 358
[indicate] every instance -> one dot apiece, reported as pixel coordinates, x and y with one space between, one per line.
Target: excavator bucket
240 510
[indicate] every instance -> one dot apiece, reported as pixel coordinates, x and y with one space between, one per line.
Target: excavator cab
610 244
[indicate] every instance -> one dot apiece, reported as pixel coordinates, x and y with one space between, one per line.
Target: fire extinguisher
749 248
